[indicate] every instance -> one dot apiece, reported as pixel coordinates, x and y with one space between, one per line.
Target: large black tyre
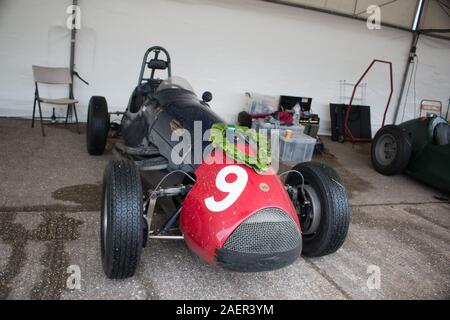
136 103
97 125
325 230
391 150
122 224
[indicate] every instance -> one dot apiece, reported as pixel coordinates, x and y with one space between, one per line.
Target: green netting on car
261 162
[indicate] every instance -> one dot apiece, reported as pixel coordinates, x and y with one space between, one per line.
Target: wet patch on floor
16 236
352 182
42 208
87 196
363 149
55 229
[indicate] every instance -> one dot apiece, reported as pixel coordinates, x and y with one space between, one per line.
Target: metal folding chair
56 76
430 107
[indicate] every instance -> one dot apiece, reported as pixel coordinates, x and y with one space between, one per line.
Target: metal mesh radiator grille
268 231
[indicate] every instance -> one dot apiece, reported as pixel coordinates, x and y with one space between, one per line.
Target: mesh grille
268 231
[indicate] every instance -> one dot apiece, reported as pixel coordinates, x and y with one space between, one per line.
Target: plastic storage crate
261 104
297 130
299 148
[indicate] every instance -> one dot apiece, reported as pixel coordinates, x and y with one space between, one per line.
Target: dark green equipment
419 147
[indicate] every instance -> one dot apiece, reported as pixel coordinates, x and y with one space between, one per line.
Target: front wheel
122 220
321 202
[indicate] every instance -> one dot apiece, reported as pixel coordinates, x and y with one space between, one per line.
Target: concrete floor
49 220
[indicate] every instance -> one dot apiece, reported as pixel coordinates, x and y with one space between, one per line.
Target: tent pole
72 45
73 35
412 56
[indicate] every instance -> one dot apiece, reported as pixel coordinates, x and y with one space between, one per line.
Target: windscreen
175 83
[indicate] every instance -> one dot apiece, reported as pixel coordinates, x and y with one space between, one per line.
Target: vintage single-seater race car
229 213
419 147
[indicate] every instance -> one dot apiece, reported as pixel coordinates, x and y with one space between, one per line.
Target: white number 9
234 189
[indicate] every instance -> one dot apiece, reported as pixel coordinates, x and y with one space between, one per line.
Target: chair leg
42 122
34 110
67 115
76 117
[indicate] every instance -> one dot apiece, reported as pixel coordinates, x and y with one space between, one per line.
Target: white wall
227 47
432 78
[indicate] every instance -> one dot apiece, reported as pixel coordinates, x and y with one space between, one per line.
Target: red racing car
228 212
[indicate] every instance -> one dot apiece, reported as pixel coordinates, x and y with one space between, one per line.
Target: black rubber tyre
391 150
332 173
330 206
122 223
136 103
97 125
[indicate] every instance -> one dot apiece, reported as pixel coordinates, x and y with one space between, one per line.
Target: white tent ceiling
436 15
398 13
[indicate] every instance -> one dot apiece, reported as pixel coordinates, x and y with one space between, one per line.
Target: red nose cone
239 219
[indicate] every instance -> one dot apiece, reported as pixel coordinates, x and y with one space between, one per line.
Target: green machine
311 126
419 147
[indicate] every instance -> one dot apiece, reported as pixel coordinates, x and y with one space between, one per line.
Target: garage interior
51 188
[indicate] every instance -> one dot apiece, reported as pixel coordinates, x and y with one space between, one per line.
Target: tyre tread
127 227
97 125
338 209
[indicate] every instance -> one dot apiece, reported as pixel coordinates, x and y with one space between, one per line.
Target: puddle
16 236
352 182
362 148
87 196
55 229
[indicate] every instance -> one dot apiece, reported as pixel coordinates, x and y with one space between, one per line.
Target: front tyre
121 219
322 207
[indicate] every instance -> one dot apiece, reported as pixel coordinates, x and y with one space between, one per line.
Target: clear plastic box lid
299 138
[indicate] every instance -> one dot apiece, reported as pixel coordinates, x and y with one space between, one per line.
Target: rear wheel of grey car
322 208
97 125
121 219
391 150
